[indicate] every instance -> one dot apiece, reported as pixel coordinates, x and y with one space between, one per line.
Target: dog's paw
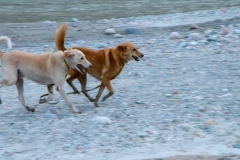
30 109
73 93
96 104
78 112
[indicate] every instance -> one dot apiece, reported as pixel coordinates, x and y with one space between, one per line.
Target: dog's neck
66 63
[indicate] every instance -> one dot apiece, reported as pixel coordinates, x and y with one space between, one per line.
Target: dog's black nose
142 55
90 66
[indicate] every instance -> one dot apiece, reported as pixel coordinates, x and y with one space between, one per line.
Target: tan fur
107 64
48 69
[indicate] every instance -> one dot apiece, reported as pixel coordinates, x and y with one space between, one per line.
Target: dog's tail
8 40
60 35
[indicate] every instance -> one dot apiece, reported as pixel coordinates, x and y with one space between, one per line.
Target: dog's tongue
80 67
135 57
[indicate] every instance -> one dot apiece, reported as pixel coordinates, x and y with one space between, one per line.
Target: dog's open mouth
81 68
135 58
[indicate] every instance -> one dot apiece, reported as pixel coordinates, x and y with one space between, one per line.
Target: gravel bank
182 98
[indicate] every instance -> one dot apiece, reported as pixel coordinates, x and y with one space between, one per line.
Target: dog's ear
121 47
68 53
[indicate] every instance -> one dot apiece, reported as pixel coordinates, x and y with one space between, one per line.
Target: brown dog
107 64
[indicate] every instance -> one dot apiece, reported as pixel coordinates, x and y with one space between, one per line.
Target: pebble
210 122
101 120
118 35
117 114
109 31
74 20
174 35
133 31
193 26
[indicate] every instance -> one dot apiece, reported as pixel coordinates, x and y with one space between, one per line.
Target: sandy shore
162 105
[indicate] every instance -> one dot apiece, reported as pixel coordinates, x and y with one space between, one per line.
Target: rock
224 158
193 26
176 92
195 36
236 146
118 36
47 21
109 31
210 122
213 38
174 35
74 20
133 31
142 134
193 43
101 120
117 114
185 126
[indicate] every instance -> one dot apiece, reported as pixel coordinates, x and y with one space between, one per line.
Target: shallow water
13 11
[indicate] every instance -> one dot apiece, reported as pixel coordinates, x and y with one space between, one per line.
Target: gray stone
195 36
133 31
193 26
109 31
174 35
74 20
237 145
117 114
101 120
118 36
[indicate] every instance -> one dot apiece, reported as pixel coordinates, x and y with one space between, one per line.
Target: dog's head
76 60
129 51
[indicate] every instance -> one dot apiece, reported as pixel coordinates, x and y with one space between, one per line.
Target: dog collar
66 66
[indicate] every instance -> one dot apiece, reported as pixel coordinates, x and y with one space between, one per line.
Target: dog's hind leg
19 85
83 80
111 92
69 81
100 91
50 95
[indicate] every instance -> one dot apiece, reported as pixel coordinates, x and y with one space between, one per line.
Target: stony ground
182 98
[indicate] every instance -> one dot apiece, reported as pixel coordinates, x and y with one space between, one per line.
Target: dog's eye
134 49
82 58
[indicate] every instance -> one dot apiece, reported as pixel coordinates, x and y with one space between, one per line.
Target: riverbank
182 98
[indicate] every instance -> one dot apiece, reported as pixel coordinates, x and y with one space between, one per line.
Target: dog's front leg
19 85
50 95
64 96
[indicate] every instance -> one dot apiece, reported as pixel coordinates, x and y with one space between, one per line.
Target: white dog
48 69
8 40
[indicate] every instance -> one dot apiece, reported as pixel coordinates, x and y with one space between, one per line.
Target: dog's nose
90 66
142 55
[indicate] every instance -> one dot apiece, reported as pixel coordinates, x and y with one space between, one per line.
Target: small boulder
109 31
133 31
174 35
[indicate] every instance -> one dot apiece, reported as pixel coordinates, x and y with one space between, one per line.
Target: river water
14 11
